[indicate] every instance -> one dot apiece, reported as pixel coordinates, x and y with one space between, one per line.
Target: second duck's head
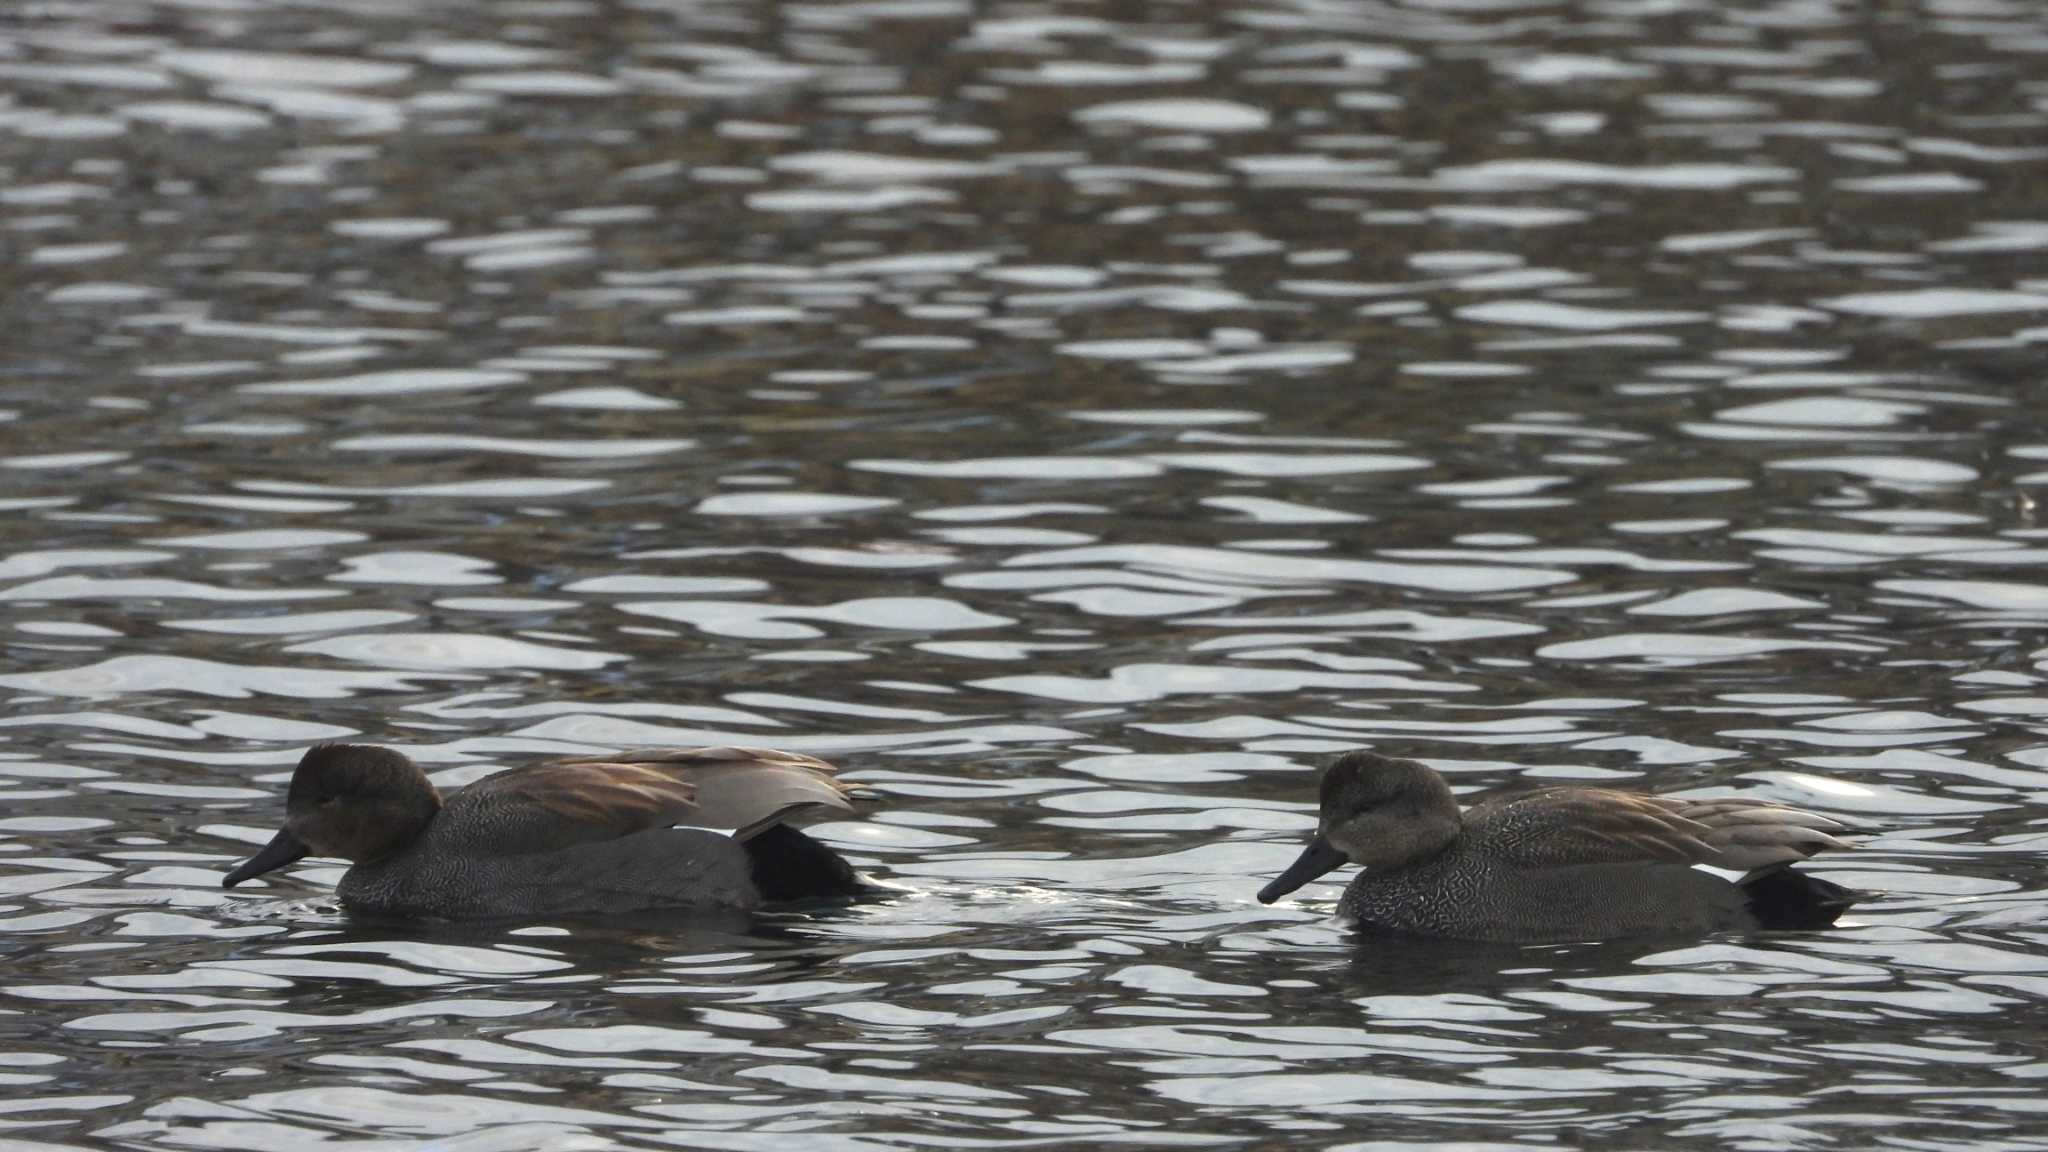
355 802
1378 812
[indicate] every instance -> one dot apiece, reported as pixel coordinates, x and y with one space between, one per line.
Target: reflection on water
1079 422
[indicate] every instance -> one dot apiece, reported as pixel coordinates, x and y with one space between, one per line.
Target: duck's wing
1751 834
1553 827
586 798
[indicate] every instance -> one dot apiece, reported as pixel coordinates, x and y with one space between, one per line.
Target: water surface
1079 422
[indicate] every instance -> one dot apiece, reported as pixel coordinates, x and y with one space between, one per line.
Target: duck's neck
393 824
1420 824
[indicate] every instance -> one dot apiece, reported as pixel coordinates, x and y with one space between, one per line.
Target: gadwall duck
1559 864
590 835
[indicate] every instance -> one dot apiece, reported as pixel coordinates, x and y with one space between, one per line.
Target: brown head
352 801
1377 812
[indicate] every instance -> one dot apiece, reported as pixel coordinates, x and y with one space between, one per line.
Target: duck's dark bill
1319 857
282 850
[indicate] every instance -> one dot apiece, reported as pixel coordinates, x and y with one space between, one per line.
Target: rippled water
1078 421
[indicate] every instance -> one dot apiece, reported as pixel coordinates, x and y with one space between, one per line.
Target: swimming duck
1559 864
585 835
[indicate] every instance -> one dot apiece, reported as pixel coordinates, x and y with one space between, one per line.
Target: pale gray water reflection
1078 421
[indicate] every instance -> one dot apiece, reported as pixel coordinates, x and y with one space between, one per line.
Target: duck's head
350 801
1378 812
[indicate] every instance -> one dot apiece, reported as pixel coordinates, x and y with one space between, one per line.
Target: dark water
1078 421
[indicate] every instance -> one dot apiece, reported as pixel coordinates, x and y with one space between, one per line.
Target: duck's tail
1781 897
788 865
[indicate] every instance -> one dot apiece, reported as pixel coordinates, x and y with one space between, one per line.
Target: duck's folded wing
1553 827
1751 834
588 798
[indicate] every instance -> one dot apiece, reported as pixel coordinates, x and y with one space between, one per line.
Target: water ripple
1080 424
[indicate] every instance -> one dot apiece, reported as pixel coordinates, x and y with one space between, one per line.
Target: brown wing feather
588 798
1553 827
1752 834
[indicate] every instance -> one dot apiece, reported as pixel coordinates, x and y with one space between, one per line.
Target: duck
1559 864
602 835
